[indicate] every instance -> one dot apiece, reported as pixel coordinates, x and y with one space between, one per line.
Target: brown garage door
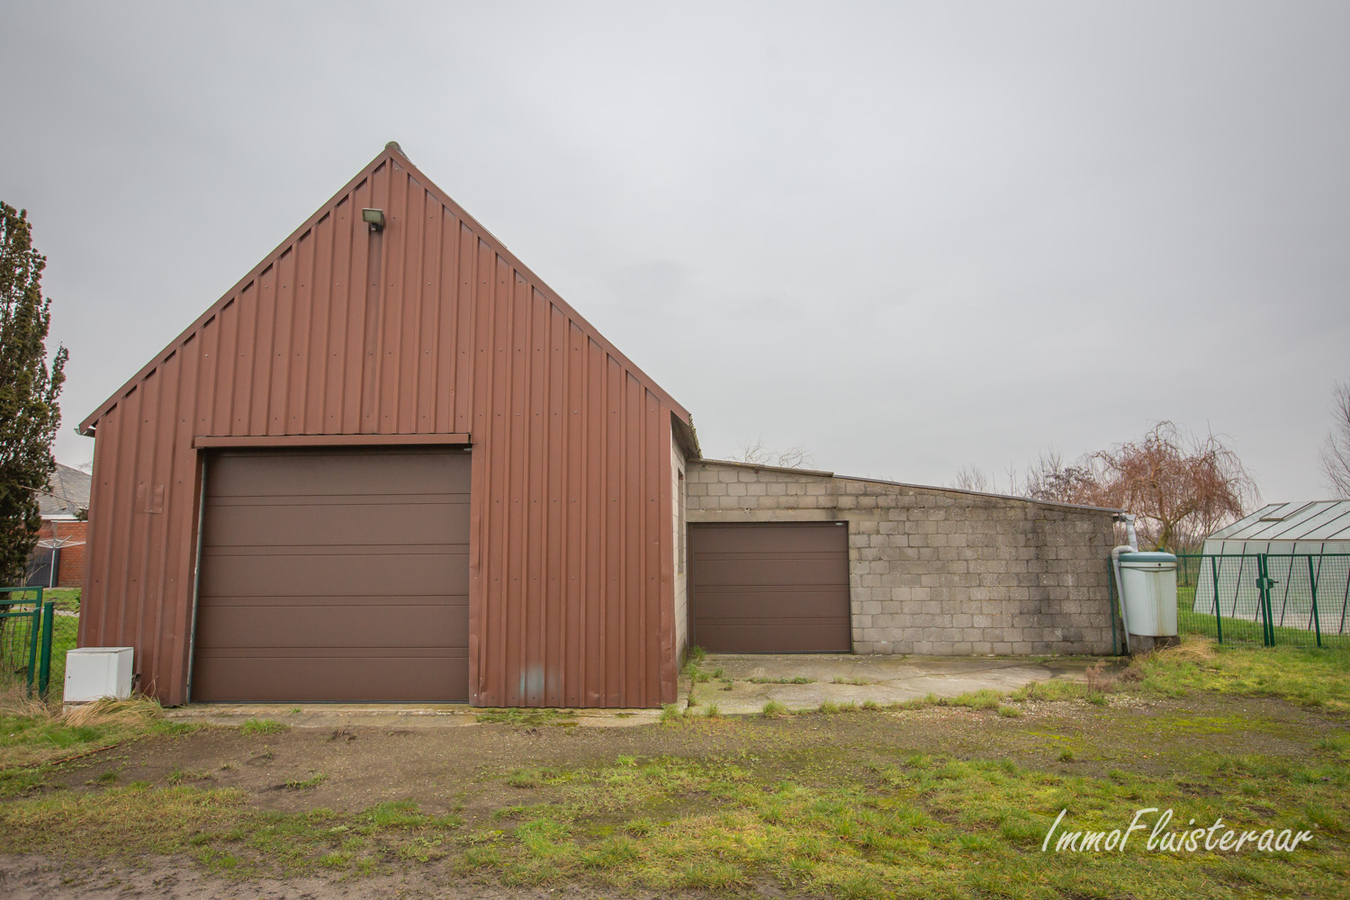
780 588
334 575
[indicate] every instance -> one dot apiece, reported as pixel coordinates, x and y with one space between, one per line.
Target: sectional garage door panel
334 575
778 588
302 678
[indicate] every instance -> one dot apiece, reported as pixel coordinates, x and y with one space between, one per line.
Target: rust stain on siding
429 327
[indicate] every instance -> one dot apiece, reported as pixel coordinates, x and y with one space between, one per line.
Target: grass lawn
938 799
66 598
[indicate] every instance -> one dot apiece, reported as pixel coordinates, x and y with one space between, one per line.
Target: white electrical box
93 673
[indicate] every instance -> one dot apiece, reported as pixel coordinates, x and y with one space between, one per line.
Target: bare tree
973 478
756 453
1336 446
1049 478
1180 486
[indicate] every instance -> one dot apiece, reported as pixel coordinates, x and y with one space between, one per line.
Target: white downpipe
1131 547
1120 589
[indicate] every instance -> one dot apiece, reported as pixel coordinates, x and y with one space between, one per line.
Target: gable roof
67 493
393 156
1308 520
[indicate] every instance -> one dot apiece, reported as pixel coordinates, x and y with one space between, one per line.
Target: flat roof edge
904 484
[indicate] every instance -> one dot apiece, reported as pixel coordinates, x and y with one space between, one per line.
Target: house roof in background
67 492
1307 520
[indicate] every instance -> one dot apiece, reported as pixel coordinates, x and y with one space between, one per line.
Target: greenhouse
1285 568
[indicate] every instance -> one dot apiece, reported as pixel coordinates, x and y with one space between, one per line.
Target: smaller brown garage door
780 588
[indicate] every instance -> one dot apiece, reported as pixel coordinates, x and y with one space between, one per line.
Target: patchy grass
305 784
880 803
1316 678
672 714
532 777
34 734
531 718
764 679
920 825
981 699
262 726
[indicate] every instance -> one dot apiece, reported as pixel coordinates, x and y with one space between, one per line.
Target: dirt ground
464 770
36 878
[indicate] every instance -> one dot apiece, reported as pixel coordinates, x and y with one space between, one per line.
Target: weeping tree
1179 485
1182 486
29 390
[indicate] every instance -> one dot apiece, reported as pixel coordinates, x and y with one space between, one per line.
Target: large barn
391 464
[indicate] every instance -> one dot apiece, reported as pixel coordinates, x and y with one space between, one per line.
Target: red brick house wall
72 557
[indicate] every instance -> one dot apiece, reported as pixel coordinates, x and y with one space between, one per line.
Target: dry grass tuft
1192 648
1098 680
37 733
111 712
16 702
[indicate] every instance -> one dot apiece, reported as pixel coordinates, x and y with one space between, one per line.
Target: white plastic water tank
93 673
1150 593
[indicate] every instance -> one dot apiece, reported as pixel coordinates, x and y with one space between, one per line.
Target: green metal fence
35 633
1268 599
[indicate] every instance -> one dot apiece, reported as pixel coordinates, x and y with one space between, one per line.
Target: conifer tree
29 390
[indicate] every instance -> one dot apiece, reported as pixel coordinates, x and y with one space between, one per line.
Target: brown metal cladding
432 330
770 588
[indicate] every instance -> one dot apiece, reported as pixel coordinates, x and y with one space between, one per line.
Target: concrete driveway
754 681
757 679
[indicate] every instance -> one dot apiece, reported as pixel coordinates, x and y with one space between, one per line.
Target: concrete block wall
934 571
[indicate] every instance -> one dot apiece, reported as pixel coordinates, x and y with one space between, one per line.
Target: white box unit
93 673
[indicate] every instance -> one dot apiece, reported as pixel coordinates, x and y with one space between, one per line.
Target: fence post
45 666
1218 608
33 637
1263 598
1312 584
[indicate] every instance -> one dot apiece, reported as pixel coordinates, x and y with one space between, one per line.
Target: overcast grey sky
910 236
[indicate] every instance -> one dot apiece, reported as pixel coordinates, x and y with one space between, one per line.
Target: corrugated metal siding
429 327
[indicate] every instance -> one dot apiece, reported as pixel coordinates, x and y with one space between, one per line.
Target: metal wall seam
174 588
